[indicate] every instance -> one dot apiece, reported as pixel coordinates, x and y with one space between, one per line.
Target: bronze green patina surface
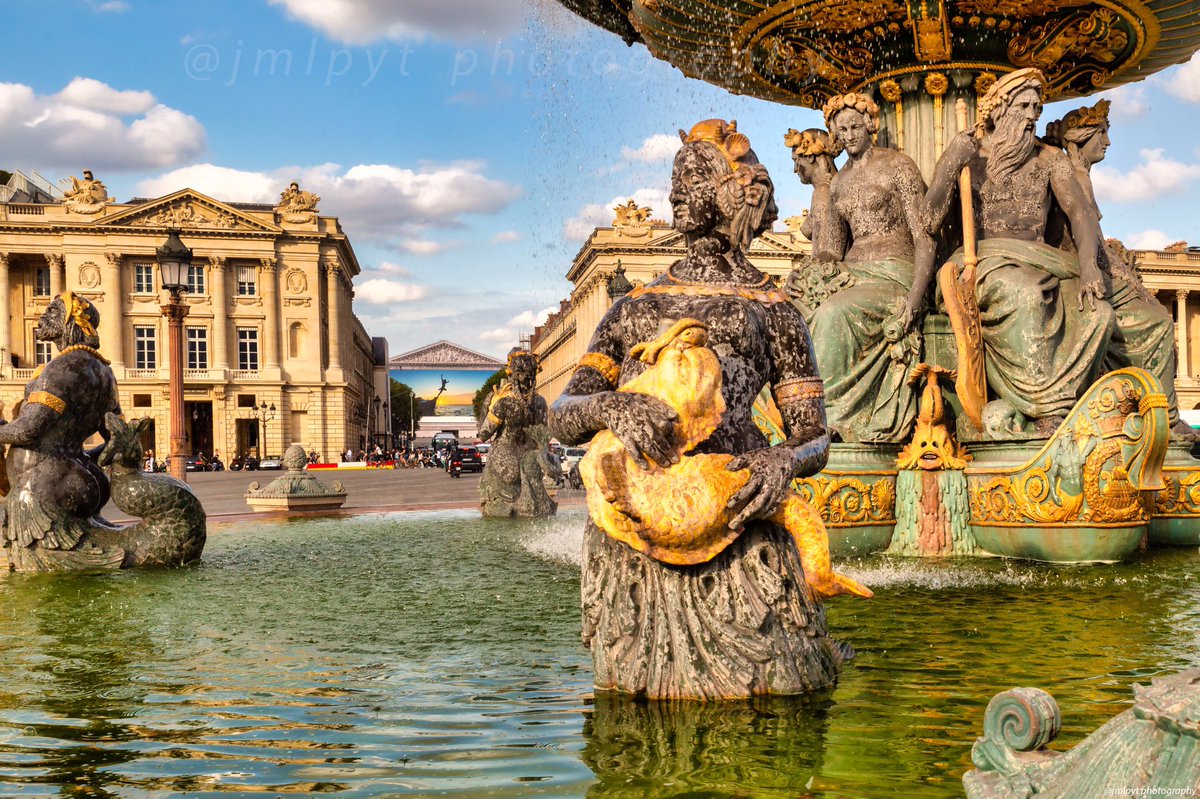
1152 749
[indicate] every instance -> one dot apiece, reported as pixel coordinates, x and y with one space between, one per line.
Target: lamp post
174 259
375 403
265 414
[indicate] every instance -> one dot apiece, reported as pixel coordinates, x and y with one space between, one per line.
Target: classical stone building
1173 274
633 251
444 377
270 313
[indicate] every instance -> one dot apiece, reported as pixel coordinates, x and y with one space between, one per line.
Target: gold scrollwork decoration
849 501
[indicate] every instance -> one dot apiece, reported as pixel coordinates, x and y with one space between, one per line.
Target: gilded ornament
847 501
890 91
609 369
984 82
49 400
679 513
932 447
1102 467
936 84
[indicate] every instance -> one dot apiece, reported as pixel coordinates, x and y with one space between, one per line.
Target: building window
143 278
248 349
195 280
143 401
247 281
41 281
43 351
246 401
197 348
145 342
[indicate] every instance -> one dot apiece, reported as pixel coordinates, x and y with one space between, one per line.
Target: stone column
112 320
219 292
5 322
269 274
55 262
1181 332
333 273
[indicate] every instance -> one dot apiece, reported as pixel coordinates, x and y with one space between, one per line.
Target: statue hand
1092 290
961 148
772 470
645 425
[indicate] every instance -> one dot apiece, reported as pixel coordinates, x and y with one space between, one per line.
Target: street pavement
367 491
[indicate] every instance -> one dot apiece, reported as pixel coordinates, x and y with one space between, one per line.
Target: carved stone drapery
730 627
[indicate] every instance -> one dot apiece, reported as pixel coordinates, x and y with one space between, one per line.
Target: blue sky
467 145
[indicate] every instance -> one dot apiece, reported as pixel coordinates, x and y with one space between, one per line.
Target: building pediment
444 355
187 209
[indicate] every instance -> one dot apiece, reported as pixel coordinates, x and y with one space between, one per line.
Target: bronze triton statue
57 489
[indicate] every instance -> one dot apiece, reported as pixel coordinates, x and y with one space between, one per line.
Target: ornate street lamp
174 260
265 414
375 403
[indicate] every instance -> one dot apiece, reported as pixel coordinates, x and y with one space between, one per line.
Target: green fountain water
438 654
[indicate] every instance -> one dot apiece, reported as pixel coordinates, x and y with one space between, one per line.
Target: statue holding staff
1044 315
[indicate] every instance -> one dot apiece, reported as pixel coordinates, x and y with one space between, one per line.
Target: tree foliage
486 389
406 413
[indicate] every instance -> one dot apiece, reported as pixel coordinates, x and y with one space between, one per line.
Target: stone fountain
296 490
912 277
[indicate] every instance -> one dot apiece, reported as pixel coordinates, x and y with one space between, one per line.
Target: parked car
571 457
465 459
271 462
484 449
194 463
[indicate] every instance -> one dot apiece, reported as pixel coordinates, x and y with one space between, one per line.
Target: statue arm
491 423
916 211
590 402
830 236
943 186
29 426
799 396
1085 227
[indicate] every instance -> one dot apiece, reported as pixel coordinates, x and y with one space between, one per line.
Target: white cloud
364 21
521 324
506 236
1128 102
379 291
109 6
389 268
419 247
218 182
1184 81
1148 240
88 124
1155 176
654 150
590 217
380 201
93 95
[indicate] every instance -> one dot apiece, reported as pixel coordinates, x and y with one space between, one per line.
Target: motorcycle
455 468
248 462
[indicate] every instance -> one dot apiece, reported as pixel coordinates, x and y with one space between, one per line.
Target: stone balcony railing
244 374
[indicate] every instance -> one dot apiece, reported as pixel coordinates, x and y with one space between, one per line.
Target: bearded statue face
523 371
1014 135
52 324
